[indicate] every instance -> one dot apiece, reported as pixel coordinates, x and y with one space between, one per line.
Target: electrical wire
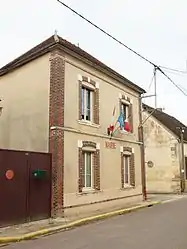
172 81
183 88
121 43
174 70
106 33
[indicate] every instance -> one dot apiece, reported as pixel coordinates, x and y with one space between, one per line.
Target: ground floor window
88 174
126 165
89 166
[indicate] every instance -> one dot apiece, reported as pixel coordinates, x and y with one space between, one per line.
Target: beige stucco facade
110 160
110 177
163 149
24 125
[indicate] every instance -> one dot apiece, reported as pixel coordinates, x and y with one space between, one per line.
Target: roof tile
168 121
50 42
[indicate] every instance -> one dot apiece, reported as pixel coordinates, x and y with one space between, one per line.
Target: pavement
35 229
158 227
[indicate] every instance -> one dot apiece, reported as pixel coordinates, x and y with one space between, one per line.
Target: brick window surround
86 82
128 151
93 148
128 102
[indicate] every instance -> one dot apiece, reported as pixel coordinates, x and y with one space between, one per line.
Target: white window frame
85 104
124 105
124 170
91 170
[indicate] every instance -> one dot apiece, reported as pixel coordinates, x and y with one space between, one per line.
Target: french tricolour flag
123 124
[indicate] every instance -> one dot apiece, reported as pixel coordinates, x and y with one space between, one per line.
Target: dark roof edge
150 109
49 44
26 57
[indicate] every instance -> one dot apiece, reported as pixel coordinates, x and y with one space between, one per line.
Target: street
158 227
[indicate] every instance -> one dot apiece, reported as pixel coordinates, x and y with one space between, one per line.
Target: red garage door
25 186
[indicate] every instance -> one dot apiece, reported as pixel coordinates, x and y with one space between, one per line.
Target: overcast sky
155 29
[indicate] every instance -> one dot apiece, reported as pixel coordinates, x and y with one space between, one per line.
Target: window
88 111
126 165
89 166
86 102
125 111
87 170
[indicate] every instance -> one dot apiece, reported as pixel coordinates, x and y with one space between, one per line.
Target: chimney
160 109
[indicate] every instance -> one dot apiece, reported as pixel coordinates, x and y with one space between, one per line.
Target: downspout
180 163
182 159
142 151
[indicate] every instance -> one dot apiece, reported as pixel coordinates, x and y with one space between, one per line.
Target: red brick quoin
56 139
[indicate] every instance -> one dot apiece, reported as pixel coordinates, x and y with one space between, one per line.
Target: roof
68 47
168 121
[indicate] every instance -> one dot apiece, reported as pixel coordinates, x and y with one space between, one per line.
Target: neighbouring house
163 151
57 98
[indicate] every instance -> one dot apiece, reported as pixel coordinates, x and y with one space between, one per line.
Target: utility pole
155 86
182 180
142 151
141 134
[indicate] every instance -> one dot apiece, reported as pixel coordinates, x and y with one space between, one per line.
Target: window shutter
122 171
81 170
96 168
120 106
96 106
80 101
132 170
131 117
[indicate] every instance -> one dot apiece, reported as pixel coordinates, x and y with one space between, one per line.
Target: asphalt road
158 227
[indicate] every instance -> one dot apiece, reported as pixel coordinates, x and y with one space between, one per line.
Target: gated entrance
25 186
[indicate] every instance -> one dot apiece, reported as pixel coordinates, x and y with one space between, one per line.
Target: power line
172 81
121 43
106 33
175 73
174 70
183 88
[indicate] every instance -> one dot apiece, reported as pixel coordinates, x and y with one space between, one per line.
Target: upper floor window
86 101
125 111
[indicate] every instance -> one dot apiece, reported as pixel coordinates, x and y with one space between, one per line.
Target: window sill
88 191
88 123
126 132
127 187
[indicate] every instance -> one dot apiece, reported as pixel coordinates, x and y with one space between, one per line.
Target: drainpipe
142 151
182 164
183 160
